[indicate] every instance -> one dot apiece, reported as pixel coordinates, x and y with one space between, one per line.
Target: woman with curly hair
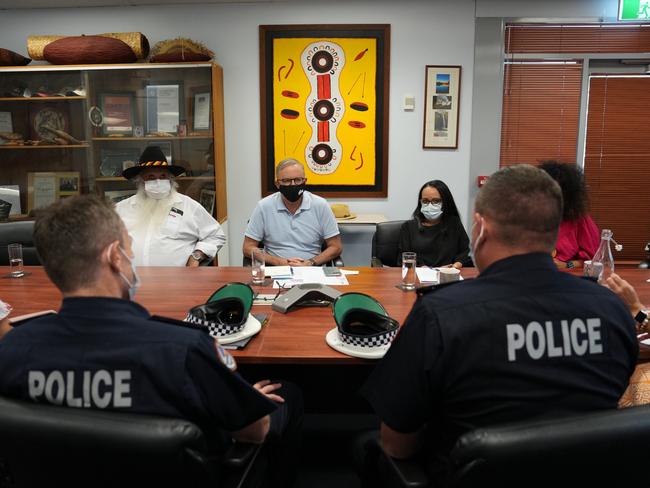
578 237
435 232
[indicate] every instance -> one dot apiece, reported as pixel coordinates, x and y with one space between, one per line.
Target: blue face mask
431 211
133 286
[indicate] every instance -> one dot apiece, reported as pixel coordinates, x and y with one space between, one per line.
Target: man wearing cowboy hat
168 228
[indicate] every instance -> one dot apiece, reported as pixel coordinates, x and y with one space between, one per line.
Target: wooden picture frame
441 104
118 112
45 188
324 101
201 109
164 106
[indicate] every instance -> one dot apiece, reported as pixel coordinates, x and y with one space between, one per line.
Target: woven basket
36 45
135 40
179 49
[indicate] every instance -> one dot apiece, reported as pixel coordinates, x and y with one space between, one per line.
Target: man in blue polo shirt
293 223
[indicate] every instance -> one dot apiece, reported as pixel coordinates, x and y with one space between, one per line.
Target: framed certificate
201 109
5 122
44 188
118 113
164 107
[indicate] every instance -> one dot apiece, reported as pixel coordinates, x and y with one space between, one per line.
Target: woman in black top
435 232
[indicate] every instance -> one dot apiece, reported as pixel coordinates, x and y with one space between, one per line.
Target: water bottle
603 258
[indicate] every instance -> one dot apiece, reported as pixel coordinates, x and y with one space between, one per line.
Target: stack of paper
278 272
309 274
427 275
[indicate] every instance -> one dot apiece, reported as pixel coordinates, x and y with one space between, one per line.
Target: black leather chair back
44 445
607 448
384 243
21 233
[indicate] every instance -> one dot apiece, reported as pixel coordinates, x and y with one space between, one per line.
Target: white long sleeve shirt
188 227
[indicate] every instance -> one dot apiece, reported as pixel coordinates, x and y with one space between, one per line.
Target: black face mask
292 192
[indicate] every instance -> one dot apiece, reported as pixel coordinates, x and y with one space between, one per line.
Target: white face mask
157 189
431 211
473 245
132 286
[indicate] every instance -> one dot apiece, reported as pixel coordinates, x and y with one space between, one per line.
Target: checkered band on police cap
215 329
377 340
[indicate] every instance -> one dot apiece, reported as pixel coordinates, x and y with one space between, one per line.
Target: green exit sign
634 10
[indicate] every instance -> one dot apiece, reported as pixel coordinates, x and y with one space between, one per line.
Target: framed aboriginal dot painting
324 101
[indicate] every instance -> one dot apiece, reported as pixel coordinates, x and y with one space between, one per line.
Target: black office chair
44 445
21 233
337 261
607 448
384 243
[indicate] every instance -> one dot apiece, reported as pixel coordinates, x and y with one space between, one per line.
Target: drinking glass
257 266
408 270
16 260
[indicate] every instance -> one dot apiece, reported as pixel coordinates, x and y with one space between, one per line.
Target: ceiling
29 4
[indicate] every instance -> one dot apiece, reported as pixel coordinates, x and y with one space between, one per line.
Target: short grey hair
285 163
526 205
70 236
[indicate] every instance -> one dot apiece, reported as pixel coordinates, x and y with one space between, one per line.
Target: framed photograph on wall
164 106
441 102
324 101
118 111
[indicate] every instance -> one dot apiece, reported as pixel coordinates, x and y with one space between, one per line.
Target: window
541 111
617 159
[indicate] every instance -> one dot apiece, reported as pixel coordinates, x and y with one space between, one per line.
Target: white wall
551 9
422 32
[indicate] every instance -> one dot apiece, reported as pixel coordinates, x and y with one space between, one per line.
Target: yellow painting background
287 133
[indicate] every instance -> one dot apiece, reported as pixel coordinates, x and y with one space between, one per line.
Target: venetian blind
541 110
577 38
617 159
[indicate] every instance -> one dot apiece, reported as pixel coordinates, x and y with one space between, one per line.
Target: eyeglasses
292 181
435 201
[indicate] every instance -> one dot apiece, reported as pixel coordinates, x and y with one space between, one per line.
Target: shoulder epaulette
169 320
425 290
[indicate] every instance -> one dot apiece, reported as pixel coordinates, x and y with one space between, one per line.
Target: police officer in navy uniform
104 351
521 341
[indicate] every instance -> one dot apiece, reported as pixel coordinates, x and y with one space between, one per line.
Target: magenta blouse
577 239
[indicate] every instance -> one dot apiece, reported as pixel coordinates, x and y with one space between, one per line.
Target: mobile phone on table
331 271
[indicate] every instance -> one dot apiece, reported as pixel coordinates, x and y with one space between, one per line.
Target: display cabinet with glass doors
67 130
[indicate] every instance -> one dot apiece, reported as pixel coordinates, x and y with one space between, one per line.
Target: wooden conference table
294 338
